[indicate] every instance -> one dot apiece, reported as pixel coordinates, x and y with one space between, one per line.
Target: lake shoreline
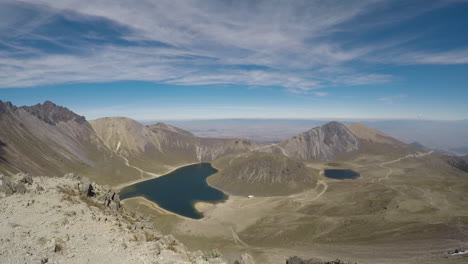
123 185
181 192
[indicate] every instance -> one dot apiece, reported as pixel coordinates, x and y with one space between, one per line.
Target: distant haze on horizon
443 136
210 59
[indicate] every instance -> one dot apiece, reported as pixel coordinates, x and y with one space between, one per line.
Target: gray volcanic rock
52 113
323 143
86 188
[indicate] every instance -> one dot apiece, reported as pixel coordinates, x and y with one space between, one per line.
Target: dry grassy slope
55 144
156 147
364 132
323 143
139 145
262 174
374 144
123 134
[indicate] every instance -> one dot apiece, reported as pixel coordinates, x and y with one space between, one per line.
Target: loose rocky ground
71 220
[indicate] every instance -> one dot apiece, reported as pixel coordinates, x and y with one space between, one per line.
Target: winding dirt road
390 170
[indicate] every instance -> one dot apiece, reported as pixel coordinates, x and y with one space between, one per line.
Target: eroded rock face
52 113
323 143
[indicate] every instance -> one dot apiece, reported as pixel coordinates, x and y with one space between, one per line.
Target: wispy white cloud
441 58
321 93
393 98
254 43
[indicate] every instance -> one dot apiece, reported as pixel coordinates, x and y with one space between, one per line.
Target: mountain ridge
52 138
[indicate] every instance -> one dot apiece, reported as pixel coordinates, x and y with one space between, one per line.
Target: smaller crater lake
179 190
340 174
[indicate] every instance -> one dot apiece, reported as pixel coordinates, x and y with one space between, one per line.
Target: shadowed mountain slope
49 139
460 163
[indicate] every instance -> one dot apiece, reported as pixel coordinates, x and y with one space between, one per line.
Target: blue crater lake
178 191
340 174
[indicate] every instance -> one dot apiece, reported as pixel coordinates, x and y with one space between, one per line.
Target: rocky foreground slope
71 220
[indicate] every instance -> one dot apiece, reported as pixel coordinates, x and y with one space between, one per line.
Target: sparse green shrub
212 254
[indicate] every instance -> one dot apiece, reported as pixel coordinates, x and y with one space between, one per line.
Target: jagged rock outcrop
323 143
86 188
9 186
53 114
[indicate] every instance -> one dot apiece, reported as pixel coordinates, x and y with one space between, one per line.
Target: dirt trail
273 145
305 195
390 170
127 163
237 240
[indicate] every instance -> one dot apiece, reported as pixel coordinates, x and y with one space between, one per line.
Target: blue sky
171 59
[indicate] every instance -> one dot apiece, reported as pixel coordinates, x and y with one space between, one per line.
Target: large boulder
7 186
86 188
109 197
27 180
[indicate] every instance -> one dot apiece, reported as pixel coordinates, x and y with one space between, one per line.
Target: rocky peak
324 142
5 106
166 127
335 130
52 113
